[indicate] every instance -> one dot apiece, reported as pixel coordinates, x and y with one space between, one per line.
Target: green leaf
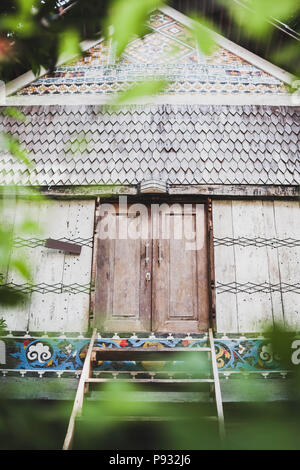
78 144
12 145
10 297
14 113
202 31
22 22
19 265
128 18
30 193
255 16
286 55
5 247
140 90
29 226
3 326
69 44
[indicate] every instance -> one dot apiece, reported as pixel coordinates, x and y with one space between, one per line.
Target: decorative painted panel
169 51
54 356
44 355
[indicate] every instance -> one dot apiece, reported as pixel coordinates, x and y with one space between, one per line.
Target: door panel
125 265
123 295
180 288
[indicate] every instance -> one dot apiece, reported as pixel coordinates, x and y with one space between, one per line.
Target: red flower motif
26 342
123 343
185 342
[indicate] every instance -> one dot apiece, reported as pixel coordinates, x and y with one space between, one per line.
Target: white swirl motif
39 352
267 354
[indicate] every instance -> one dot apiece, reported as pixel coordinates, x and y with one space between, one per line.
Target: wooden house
217 150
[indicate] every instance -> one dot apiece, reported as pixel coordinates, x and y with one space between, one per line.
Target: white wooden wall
60 312
244 312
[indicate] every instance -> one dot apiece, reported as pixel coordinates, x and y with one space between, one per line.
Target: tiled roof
186 144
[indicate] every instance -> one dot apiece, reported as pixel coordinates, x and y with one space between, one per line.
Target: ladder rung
152 418
170 381
185 373
172 398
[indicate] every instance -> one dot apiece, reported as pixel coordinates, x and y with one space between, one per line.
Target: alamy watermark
163 221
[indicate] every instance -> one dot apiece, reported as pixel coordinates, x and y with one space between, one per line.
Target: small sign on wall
63 246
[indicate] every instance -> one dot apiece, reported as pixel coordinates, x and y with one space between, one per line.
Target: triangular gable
187 68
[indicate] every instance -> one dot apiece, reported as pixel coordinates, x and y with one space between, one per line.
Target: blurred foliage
11 145
255 16
77 144
259 19
14 113
127 19
32 424
13 263
69 44
202 32
134 416
3 326
254 422
35 34
140 90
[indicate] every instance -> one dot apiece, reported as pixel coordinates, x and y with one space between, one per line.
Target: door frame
149 199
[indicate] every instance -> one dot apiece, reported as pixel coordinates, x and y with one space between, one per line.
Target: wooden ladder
142 354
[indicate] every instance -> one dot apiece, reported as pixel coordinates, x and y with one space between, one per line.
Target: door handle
147 253
160 258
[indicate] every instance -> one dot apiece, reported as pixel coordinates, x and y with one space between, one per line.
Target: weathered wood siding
63 311
239 311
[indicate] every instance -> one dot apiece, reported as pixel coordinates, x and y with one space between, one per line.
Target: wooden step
151 404
163 407
182 372
147 418
152 384
189 398
159 381
147 354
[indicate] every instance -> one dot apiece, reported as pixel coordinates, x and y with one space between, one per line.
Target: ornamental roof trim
230 70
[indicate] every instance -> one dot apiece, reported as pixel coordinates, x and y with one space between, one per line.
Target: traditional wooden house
216 153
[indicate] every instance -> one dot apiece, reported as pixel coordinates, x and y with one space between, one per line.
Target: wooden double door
151 270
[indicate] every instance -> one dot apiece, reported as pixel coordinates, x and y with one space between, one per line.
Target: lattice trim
19 242
43 288
258 242
252 287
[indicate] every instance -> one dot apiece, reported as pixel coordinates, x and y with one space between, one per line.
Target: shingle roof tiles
184 144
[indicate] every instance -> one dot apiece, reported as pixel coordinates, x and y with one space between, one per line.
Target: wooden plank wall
59 312
240 312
